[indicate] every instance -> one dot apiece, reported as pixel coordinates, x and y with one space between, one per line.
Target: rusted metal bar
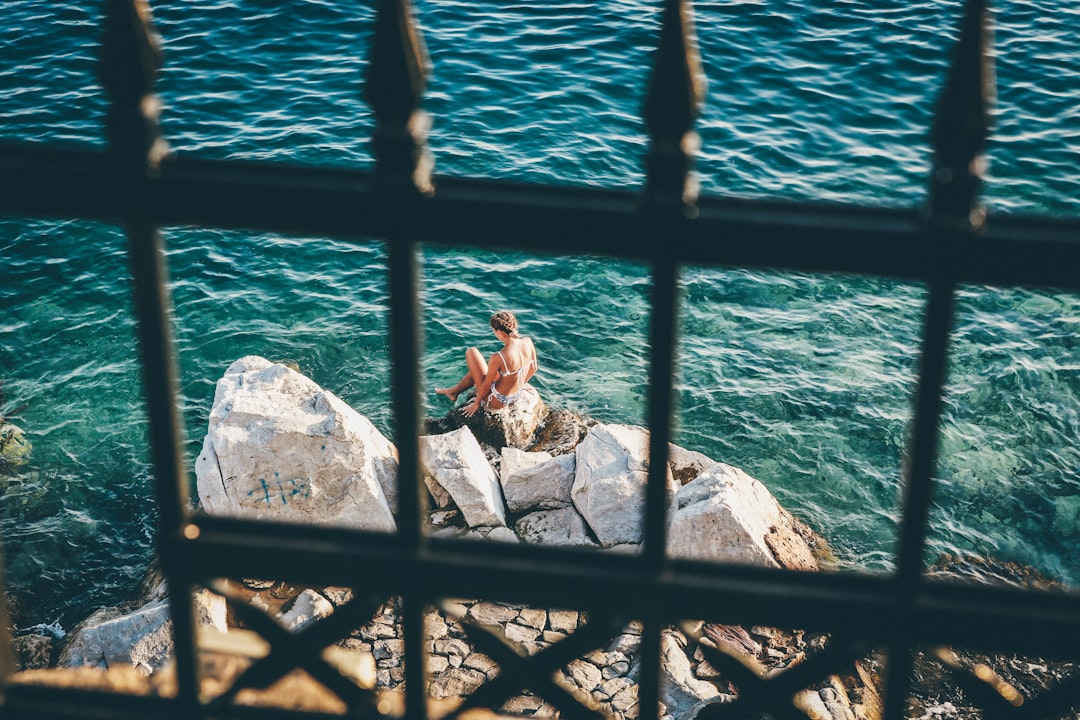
796 236
961 126
7 653
975 616
130 58
397 73
673 101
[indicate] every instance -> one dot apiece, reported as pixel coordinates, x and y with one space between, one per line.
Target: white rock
513 461
455 682
490 613
436 664
141 638
519 633
502 534
727 515
562 526
609 483
533 618
628 644
337 596
584 674
537 480
682 693
455 463
279 445
308 607
563 620
491 534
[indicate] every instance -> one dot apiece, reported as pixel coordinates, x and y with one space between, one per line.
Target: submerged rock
15 447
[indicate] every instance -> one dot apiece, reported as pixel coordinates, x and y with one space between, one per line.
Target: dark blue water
804 381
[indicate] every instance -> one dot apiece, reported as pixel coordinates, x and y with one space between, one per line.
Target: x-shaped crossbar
301 649
519 671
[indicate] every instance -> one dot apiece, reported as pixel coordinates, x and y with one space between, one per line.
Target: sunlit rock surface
279 445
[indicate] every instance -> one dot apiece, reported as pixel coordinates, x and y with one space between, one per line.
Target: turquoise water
804 381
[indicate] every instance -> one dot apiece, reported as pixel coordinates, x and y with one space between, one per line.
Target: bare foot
448 392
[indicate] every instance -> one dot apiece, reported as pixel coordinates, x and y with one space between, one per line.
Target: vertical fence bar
961 128
130 59
7 651
395 85
672 103
674 97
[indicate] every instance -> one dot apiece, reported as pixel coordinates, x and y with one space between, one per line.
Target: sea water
805 381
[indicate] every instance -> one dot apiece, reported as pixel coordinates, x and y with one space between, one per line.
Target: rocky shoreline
280 446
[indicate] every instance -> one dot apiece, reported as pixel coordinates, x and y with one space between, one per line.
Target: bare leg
475 376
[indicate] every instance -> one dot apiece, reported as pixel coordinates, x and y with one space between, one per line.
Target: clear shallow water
804 381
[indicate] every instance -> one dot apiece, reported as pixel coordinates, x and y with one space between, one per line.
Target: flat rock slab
455 468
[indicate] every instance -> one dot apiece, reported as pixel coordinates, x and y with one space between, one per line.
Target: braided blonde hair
504 320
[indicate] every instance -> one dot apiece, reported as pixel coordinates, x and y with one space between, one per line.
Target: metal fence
952 241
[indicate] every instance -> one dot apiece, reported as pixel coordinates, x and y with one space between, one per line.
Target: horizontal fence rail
810 237
139 185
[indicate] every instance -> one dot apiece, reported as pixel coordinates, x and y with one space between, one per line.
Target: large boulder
536 480
280 445
455 468
609 482
726 515
141 638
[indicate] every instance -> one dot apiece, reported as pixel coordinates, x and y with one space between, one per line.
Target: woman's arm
533 365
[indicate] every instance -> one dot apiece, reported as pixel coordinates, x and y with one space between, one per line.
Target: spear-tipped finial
130 59
962 121
675 94
396 78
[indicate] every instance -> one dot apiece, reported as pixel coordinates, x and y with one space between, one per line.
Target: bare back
519 364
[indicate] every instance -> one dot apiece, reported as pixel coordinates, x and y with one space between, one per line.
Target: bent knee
473 352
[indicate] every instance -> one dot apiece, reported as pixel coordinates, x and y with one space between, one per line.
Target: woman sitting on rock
501 380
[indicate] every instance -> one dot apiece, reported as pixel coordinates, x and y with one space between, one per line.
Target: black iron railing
138 185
